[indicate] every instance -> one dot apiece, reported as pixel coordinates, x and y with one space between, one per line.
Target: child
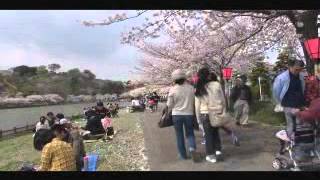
107 125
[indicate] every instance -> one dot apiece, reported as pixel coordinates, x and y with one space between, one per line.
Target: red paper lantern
227 73
312 47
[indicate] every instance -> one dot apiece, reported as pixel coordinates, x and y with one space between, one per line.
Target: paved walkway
256 153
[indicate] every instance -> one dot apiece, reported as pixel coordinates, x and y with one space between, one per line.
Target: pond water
18 117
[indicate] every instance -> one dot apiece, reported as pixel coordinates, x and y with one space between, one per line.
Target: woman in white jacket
209 96
181 102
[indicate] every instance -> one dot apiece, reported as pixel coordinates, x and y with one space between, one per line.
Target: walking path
256 153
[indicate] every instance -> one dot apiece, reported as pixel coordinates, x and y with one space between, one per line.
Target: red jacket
312 90
313 112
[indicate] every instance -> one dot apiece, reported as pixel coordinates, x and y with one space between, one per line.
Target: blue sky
43 37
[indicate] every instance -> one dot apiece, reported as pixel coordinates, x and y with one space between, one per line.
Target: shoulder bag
166 118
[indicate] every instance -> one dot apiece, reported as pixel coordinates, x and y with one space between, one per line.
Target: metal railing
16 130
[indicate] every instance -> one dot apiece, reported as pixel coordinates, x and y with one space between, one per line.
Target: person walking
181 102
288 90
190 79
209 95
242 98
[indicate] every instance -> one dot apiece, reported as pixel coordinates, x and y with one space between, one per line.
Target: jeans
290 121
213 141
187 121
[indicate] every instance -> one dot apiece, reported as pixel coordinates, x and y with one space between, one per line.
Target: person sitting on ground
59 116
135 102
142 102
89 112
101 110
42 124
51 118
57 155
107 125
76 140
94 119
41 138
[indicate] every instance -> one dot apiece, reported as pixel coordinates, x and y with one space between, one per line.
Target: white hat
64 121
178 74
189 74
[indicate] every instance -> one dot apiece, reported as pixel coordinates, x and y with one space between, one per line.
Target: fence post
14 130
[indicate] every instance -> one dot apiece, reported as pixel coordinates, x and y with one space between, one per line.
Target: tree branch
90 23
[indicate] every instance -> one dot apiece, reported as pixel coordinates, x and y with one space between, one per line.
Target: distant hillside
44 80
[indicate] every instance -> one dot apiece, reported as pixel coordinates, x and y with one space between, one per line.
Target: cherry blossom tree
217 38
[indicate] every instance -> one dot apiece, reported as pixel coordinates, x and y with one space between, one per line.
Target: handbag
219 119
166 118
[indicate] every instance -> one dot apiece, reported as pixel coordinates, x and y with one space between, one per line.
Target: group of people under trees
297 93
62 143
150 101
203 100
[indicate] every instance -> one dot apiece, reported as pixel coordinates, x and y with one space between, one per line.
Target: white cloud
42 37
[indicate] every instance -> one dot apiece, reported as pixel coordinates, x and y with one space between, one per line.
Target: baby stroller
301 150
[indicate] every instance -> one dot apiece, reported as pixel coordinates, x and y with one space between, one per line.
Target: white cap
189 74
64 121
178 74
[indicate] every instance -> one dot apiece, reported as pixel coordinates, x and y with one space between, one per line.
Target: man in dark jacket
241 95
101 110
51 118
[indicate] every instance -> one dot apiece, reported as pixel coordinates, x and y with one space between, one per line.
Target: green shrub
264 112
76 117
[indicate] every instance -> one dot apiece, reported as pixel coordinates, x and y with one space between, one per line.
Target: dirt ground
256 153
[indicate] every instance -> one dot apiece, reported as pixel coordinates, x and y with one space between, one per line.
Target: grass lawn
264 112
122 153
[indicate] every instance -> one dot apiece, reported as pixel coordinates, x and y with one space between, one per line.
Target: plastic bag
278 108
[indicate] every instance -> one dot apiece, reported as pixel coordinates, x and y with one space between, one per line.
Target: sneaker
211 159
219 156
295 169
